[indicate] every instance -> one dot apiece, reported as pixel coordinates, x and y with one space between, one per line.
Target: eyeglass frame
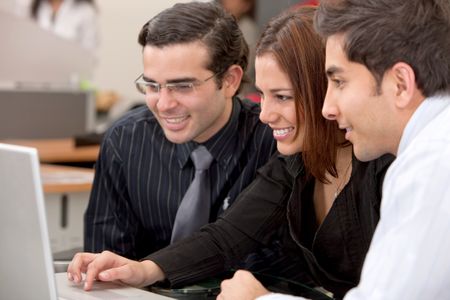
171 86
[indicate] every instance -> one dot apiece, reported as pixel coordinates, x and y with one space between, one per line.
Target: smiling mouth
175 120
282 132
347 129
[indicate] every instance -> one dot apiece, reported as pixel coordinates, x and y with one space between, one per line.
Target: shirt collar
424 114
294 164
221 145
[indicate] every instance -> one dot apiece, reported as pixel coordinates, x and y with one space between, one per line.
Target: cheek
288 113
151 103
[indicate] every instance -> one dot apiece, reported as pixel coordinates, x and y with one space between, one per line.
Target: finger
241 274
122 273
102 262
78 265
91 275
225 284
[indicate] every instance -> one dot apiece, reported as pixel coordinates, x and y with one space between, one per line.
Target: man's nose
166 100
329 108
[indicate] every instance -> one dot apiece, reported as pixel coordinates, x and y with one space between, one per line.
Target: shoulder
281 168
136 115
249 115
81 5
81 8
133 120
369 176
377 166
382 163
290 165
249 107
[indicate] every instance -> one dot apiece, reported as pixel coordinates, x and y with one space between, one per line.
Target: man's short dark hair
206 22
380 33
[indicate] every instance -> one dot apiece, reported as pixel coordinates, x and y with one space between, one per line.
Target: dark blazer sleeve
249 223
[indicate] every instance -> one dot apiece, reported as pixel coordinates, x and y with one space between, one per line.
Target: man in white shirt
388 66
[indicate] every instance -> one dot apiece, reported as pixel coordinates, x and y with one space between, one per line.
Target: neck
343 158
325 194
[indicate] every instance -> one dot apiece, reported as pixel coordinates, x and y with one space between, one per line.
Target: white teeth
175 120
348 129
280 132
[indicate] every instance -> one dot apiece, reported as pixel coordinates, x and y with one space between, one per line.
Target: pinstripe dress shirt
141 177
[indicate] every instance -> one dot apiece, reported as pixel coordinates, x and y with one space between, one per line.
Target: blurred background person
244 12
70 19
74 20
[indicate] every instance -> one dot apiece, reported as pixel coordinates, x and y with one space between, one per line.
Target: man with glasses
194 59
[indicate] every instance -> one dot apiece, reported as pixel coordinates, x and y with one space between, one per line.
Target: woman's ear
232 80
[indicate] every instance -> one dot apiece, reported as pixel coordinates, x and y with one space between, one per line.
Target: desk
59 150
66 193
208 289
62 179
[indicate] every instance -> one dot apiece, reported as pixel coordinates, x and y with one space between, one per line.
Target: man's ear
232 80
405 87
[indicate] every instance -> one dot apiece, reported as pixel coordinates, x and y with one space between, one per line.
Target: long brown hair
300 52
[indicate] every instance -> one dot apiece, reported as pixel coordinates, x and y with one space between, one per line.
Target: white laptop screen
26 261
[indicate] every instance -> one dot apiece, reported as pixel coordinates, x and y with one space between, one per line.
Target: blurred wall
119 55
266 9
119 59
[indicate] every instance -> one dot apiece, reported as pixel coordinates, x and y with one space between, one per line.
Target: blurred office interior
34 61
56 95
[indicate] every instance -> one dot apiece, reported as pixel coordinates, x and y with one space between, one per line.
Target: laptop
26 268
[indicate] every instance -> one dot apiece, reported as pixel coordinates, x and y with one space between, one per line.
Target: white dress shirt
409 257
73 21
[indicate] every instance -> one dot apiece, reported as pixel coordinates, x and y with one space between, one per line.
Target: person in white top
388 65
74 20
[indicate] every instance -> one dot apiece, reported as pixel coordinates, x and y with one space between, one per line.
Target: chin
287 150
176 138
366 154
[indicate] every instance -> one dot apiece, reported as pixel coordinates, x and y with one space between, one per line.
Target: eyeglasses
149 88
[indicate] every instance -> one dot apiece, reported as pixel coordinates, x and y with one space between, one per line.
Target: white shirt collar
423 115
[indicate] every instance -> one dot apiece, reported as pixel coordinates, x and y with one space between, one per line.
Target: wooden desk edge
66 187
59 150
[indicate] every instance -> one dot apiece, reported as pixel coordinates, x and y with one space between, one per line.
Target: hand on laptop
107 266
243 285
